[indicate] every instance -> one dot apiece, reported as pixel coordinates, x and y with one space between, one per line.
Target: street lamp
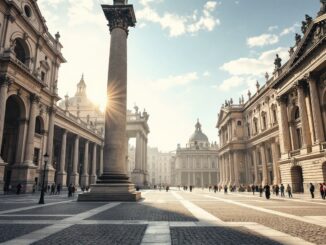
46 159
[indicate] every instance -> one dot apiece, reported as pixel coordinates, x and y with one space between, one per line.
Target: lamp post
46 159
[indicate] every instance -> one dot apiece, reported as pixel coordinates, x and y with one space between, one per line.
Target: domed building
197 163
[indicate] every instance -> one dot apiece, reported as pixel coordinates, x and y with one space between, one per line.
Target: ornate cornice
283 99
119 16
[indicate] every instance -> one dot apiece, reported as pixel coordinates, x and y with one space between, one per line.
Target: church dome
198 136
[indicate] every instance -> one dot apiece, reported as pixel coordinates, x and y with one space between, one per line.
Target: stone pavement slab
10 231
145 211
97 234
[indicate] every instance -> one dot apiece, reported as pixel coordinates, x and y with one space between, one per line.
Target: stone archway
297 179
11 144
324 171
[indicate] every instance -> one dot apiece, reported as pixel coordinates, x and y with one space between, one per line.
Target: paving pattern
174 217
217 236
97 234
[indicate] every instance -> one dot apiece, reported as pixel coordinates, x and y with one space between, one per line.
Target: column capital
120 15
5 80
51 110
282 99
34 98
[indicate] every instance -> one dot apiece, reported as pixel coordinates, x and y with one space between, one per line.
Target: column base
74 179
84 180
120 192
93 179
24 175
62 179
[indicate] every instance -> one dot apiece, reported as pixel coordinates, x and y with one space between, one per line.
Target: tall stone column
264 165
316 113
50 170
114 184
254 159
276 171
138 152
145 163
61 176
231 167
93 174
220 163
304 116
284 125
29 149
227 169
101 161
236 168
4 84
75 175
85 176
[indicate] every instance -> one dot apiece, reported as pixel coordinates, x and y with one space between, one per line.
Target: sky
185 57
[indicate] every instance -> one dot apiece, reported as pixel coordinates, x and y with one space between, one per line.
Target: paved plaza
174 217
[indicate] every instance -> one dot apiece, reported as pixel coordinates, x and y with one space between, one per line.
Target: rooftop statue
277 62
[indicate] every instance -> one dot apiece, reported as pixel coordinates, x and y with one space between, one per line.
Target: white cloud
174 81
178 24
255 66
232 82
288 30
206 74
272 28
262 40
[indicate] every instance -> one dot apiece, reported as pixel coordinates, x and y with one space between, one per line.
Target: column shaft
236 168
94 163
254 158
231 166
61 177
276 172
284 127
50 136
264 165
29 150
138 152
315 106
75 175
304 117
3 98
85 175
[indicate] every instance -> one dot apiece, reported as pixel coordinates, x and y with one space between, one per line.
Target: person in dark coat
261 191
277 190
282 190
312 190
253 189
19 187
267 191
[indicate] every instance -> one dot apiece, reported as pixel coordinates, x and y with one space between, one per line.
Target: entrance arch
324 171
297 179
15 111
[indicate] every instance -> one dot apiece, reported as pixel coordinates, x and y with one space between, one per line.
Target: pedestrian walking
215 188
19 187
253 188
322 190
267 191
167 188
289 191
70 190
52 189
261 191
312 190
277 190
58 189
190 188
282 190
225 189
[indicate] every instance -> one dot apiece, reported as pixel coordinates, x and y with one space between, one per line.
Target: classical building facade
159 167
197 163
31 122
278 135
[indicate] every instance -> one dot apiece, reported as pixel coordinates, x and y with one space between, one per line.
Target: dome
198 136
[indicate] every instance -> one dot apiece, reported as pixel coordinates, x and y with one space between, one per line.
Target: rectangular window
299 135
43 76
275 116
264 122
36 156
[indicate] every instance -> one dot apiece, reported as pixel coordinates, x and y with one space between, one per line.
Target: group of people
71 190
322 190
53 189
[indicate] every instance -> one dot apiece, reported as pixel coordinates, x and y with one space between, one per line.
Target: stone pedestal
84 181
74 179
93 179
24 175
111 192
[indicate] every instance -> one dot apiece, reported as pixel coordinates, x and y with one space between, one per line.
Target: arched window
21 51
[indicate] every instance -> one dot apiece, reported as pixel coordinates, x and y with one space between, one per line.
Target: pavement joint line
157 234
291 216
36 215
197 212
32 207
59 226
